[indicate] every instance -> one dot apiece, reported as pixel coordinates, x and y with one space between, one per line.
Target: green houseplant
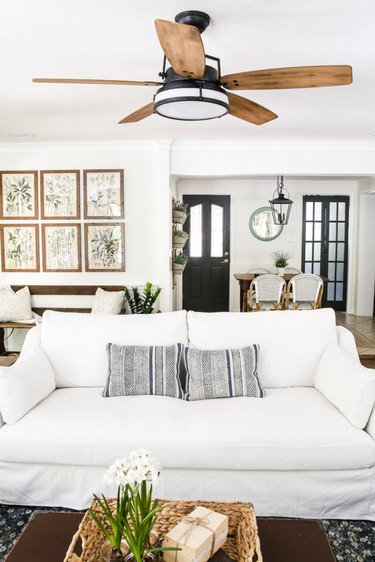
180 212
179 238
142 302
179 263
136 511
280 260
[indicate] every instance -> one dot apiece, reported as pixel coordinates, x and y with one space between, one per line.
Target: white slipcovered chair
304 291
267 292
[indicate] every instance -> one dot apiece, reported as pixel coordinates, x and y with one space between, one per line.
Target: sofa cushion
292 342
24 384
136 370
290 429
346 384
76 343
222 373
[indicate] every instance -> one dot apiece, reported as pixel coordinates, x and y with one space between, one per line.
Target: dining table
245 280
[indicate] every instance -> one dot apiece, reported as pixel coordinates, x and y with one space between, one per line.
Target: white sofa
292 453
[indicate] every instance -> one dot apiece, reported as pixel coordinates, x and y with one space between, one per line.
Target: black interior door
205 285
325 244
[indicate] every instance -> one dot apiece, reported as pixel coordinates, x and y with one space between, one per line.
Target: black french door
325 244
205 284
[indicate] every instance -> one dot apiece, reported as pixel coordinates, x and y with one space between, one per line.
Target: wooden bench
37 293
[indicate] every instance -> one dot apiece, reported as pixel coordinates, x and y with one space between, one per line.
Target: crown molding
270 145
91 146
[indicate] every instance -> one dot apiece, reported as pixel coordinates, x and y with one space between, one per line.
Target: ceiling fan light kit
194 91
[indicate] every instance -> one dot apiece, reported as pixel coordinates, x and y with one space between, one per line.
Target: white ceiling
116 39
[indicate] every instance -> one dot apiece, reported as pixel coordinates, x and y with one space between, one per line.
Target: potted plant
280 260
179 263
179 238
136 512
180 212
142 302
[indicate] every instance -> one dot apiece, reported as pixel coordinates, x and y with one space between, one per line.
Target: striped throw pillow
222 373
135 370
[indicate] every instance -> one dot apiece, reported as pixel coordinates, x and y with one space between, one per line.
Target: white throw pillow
346 384
24 385
15 306
108 302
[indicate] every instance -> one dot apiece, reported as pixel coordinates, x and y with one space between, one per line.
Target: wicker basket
242 544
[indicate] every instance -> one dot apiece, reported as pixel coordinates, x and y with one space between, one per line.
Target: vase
280 270
107 554
178 268
179 241
149 557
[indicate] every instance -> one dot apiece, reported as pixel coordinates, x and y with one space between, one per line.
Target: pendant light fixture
280 205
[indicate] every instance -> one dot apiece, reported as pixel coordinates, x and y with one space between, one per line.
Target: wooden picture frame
99 254
103 192
19 195
20 247
61 243
60 194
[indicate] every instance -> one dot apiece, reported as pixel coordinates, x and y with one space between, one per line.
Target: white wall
249 194
152 169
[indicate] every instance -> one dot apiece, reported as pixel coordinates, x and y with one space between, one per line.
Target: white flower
137 468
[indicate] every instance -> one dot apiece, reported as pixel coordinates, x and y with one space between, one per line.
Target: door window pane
342 211
331 271
331 292
309 211
332 251
332 211
317 251
317 230
340 251
308 231
339 291
217 234
308 267
316 268
340 272
308 251
196 231
341 231
332 231
318 211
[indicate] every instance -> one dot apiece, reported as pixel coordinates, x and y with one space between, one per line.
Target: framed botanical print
105 247
19 199
59 194
103 194
20 247
61 247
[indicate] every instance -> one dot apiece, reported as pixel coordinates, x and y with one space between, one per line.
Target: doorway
205 283
325 244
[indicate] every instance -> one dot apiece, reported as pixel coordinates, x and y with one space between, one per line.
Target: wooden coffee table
48 535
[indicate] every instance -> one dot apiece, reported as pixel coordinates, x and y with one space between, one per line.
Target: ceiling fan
192 90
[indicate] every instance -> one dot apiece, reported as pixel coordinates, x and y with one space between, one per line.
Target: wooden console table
12 326
245 279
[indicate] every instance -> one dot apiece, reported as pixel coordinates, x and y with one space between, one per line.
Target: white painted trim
95 146
269 145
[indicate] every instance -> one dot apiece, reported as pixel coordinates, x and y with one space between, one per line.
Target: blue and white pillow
135 370
222 373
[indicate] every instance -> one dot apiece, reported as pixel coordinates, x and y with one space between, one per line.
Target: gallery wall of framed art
51 221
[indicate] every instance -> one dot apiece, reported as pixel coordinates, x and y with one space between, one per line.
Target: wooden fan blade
100 82
249 110
294 77
183 47
140 114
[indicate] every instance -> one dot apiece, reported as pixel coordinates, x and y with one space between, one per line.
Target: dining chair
258 270
304 291
292 270
267 292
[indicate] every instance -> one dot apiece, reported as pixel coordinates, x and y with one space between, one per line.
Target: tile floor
363 330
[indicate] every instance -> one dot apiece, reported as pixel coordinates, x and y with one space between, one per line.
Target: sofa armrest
370 427
32 341
24 384
346 384
347 342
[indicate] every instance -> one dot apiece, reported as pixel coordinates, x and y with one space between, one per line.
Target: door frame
180 195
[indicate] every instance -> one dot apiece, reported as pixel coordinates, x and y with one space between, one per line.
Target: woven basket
242 544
